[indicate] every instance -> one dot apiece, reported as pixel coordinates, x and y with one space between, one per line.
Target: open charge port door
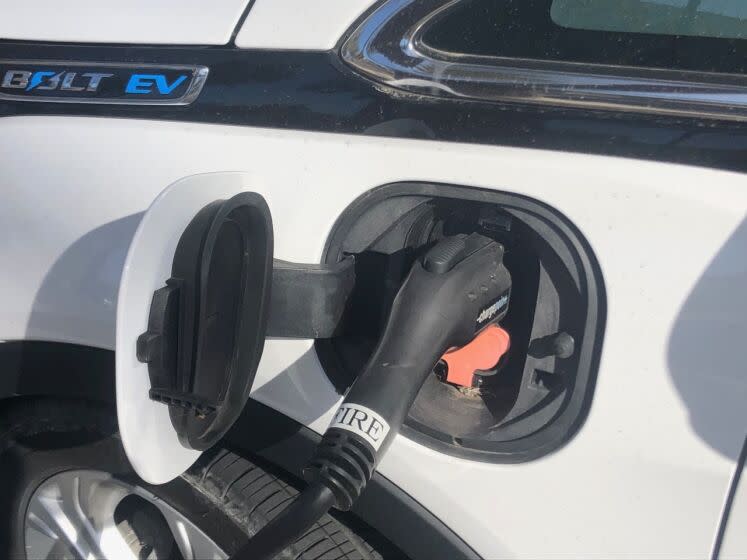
191 320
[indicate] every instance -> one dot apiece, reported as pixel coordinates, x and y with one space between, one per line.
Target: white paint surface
299 24
176 22
645 476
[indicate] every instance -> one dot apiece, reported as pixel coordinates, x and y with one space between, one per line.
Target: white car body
650 473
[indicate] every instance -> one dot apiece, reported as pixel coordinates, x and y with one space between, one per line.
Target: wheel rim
72 515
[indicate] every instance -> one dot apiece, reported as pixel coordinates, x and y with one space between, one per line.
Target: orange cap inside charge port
482 353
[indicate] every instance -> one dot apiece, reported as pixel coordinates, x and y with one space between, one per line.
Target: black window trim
387 47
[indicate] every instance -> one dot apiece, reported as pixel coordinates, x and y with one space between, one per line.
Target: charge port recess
536 397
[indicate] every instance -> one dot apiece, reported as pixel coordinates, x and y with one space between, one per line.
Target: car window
696 18
698 35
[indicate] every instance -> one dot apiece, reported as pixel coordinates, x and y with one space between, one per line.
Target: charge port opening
505 418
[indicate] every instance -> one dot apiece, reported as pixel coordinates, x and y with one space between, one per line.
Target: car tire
228 497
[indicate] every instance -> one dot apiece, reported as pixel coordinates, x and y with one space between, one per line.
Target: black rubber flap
207 326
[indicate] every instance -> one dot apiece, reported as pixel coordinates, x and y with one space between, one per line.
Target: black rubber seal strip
308 300
724 523
240 23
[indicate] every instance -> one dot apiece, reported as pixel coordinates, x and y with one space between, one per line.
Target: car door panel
643 476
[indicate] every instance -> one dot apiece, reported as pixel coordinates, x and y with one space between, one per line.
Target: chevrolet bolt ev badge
93 82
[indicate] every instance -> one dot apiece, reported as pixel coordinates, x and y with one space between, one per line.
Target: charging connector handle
458 288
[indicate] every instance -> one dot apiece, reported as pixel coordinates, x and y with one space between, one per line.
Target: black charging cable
290 524
457 289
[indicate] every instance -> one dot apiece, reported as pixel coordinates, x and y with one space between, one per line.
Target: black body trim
313 91
36 368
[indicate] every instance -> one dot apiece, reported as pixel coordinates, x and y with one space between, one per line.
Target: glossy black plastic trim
314 91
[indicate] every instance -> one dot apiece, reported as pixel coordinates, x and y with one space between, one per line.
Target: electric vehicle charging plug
459 366
459 287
